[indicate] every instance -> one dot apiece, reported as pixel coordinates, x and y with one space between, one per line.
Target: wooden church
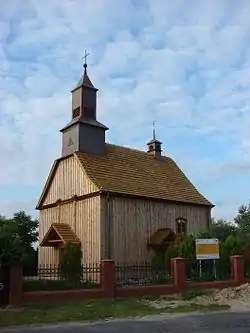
117 202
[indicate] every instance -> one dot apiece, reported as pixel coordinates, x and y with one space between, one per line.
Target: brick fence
109 289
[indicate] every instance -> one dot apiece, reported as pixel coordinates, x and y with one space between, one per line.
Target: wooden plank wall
69 180
83 216
134 221
84 219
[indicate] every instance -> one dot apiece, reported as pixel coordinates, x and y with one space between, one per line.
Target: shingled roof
132 172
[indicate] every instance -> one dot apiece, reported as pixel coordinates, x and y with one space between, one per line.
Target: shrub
70 263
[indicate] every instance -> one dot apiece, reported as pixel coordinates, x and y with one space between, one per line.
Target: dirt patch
238 298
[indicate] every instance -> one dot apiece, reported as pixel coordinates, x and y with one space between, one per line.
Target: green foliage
11 248
231 246
26 228
220 229
242 220
70 264
231 243
17 236
187 247
192 293
173 251
158 260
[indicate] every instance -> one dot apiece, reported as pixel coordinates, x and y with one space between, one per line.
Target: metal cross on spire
85 59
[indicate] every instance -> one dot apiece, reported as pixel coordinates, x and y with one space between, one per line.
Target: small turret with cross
154 145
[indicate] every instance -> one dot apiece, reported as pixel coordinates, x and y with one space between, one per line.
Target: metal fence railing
136 274
52 278
207 270
142 274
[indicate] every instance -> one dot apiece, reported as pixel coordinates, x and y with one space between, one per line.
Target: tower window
76 112
181 226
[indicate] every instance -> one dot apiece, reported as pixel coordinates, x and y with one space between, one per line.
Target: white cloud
185 65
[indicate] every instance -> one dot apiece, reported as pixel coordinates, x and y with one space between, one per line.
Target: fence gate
4 285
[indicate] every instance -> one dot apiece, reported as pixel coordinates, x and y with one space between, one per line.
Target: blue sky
184 64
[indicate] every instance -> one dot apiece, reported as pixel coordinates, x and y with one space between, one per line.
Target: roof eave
107 191
82 85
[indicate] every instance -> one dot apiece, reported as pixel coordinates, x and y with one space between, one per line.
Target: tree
242 219
221 229
3 220
187 247
26 229
26 232
21 232
11 248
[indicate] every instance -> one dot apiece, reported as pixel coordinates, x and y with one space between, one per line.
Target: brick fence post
108 278
237 269
179 273
16 286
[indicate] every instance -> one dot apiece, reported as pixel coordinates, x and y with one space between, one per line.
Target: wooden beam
72 199
55 241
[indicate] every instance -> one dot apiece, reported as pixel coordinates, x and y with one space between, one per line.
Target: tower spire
84 133
154 145
85 80
153 130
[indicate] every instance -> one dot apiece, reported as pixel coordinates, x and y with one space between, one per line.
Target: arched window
181 226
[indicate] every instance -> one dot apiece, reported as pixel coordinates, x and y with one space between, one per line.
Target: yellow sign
207 249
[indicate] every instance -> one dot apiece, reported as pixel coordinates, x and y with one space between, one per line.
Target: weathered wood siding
88 228
69 180
134 221
84 218
47 255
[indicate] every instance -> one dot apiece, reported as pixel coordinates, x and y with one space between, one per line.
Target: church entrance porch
57 236
159 243
161 239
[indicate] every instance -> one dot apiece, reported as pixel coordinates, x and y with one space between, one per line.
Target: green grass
193 293
90 311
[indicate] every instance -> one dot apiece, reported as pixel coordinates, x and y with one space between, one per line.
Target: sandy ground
238 298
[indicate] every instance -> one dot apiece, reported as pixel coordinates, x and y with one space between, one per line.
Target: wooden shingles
133 172
61 232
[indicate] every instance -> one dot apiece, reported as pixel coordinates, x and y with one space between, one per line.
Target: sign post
207 249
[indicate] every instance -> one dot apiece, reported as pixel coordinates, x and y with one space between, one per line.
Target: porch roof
161 235
59 233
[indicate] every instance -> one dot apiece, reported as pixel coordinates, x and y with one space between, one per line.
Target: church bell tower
84 133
